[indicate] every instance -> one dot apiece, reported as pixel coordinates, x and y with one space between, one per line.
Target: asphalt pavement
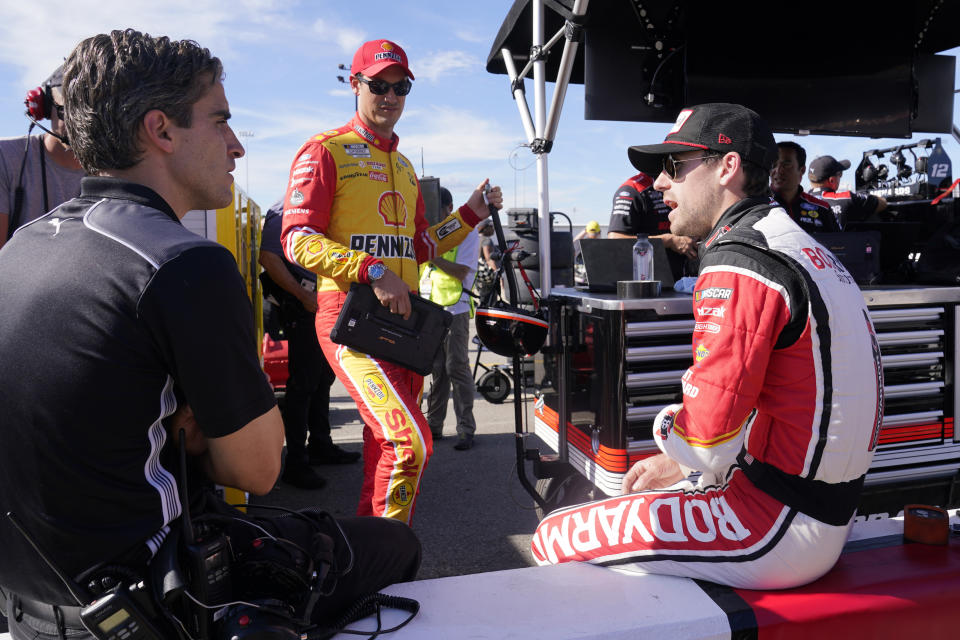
472 514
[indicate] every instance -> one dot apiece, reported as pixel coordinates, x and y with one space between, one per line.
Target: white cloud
452 135
348 39
436 64
60 24
470 36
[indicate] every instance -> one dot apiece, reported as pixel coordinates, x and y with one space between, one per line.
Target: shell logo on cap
386 46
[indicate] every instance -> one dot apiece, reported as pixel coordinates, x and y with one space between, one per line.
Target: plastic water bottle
642 258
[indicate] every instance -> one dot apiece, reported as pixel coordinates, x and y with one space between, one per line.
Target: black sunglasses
59 108
671 165
380 88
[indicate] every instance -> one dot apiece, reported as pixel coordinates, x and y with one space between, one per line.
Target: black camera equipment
203 585
124 612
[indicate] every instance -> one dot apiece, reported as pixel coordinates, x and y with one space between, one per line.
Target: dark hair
800 151
446 198
111 81
756 179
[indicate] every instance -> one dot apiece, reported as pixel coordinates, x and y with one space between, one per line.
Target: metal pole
519 96
343 80
246 158
563 74
543 197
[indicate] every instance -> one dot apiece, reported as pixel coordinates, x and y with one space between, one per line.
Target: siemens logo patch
384 246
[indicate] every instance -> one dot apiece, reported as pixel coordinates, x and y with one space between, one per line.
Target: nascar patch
357 150
713 293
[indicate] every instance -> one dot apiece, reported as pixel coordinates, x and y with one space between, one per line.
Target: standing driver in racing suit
353 212
782 406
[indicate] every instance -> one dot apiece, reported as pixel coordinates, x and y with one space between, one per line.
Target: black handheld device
367 326
113 616
116 616
206 550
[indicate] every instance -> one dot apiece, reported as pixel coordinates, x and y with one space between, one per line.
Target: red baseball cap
375 56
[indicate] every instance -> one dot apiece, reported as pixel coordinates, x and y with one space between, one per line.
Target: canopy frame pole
519 96
543 183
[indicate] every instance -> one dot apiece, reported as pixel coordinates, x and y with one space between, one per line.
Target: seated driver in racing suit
782 406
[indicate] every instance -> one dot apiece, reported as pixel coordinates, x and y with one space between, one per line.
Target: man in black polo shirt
115 321
307 398
811 213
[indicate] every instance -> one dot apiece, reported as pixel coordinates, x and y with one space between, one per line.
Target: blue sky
281 62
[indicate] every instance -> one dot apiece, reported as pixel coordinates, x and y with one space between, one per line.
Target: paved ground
472 514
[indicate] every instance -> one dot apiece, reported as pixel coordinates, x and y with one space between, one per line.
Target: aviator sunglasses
380 88
671 166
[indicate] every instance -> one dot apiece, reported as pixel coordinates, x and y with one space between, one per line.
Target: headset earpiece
39 103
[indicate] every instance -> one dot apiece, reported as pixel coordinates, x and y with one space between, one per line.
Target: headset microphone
40 103
61 137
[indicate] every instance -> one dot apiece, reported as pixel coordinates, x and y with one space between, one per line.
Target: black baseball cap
55 79
825 167
717 126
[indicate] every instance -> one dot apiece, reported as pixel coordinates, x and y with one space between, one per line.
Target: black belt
45 612
832 503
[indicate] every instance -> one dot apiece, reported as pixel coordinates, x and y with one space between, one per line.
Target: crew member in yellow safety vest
444 281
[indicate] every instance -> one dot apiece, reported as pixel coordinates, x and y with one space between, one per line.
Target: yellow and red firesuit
353 200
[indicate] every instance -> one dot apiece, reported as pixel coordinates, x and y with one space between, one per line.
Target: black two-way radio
208 557
113 616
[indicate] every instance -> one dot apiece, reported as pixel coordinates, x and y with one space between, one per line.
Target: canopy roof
644 59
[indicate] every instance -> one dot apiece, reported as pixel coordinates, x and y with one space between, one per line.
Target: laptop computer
609 260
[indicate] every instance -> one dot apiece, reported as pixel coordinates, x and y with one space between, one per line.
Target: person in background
811 213
592 230
451 278
638 208
37 173
353 213
489 251
782 405
307 399
488 262
847 206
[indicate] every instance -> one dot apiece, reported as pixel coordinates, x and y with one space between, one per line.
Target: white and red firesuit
781 411
353 200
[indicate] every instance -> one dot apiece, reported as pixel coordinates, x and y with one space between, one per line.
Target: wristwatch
376 271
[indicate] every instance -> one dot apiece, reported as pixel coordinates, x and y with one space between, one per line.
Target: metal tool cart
609 365
621 361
